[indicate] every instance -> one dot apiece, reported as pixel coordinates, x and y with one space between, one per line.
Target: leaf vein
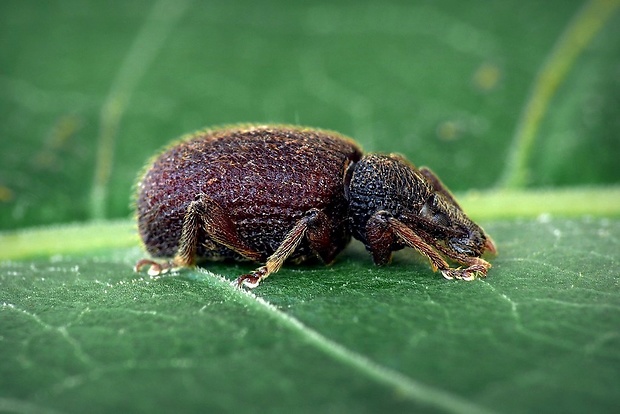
405 385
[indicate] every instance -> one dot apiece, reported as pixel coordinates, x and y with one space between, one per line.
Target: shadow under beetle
274 193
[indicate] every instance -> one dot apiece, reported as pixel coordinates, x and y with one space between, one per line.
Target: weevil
276 193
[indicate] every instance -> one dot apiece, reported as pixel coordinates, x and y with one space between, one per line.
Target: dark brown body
264 179
276 193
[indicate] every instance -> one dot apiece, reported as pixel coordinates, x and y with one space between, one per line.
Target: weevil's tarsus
472 272
156 268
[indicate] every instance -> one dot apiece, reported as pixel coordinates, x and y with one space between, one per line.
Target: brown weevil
274 193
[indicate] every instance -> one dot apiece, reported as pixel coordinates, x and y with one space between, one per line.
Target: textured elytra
264 177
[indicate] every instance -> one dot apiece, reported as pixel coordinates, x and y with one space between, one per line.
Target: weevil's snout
489 245
473 243
467 245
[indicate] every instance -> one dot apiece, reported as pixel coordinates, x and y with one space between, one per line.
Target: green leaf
84 333
504 94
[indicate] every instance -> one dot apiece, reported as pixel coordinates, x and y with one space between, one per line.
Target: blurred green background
90 90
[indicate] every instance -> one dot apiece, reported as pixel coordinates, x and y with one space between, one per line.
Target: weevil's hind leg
438 186
316 227
204 217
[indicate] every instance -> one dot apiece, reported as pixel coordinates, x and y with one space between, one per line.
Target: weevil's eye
431 212
441 219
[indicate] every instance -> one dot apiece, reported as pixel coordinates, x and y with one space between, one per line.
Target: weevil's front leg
316 227
476 270
477 267
204 221
382 228
383 231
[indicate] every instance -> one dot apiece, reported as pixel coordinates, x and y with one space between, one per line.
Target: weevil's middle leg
315 226
477 266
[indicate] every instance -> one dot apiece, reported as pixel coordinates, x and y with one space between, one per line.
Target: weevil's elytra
275 193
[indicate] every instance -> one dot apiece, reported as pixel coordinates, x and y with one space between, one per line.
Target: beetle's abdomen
264 178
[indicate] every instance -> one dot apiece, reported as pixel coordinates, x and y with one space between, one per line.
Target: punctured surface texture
264 178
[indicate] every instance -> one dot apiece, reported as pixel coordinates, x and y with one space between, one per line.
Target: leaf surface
540 333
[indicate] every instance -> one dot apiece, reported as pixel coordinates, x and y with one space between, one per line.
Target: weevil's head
393 186
451 224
